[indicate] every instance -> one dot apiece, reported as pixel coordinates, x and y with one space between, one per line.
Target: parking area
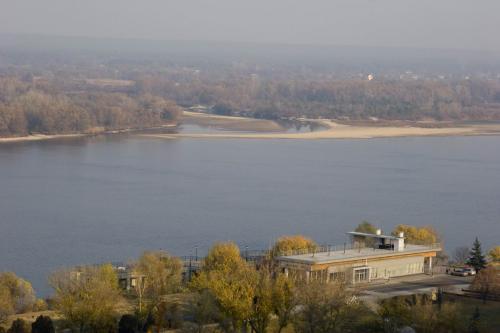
414 285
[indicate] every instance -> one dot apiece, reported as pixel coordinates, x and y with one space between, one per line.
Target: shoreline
41 137
333 130
44 137
229 127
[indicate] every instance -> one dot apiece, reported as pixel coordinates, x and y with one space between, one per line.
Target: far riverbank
43 137
248 128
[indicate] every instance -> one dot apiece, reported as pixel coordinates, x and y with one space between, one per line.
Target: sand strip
332 130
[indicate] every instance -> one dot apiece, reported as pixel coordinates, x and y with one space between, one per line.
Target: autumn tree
284 300
16 295
426 235
427 317
394 314
203 309
158 274
366 227
87 297
227 277
326 307
420 313
289 244
263 305
487 282
494 254
476 258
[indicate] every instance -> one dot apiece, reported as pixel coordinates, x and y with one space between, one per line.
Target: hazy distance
458 24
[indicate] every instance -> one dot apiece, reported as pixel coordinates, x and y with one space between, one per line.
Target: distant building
366 258
129 279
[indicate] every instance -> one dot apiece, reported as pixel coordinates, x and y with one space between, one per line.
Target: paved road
413 285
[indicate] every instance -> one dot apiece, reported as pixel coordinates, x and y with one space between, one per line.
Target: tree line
27 108
60 103
352 99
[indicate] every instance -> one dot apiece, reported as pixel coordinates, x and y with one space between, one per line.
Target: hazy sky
471 24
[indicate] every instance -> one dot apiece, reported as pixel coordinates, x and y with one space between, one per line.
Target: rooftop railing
335 249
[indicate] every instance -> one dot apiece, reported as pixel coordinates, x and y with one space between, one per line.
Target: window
319 275
337 276
361 275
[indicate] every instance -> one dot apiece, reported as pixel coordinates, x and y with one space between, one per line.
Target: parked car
463 271
470 271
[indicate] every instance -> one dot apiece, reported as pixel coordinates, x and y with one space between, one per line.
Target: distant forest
91 91
353 99
31 107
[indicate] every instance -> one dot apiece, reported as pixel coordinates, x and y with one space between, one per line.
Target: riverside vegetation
230 294
54 92
28 108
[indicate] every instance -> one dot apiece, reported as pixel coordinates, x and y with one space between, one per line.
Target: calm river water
109 198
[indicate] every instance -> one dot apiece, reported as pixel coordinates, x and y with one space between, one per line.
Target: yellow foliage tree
288 244
231 282
495 254
16 295
88 297
158 275
223 256
284 300
417 235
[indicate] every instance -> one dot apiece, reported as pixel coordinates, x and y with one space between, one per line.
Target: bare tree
326 307
487 282
461 254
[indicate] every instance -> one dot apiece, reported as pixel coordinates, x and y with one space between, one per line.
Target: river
107 198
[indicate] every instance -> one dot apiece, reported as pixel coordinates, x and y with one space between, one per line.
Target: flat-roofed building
367 257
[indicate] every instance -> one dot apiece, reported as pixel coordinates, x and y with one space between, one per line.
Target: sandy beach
93 131
227 127
332 130
39 137
231 123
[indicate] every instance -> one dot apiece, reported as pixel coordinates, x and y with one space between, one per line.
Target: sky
458 24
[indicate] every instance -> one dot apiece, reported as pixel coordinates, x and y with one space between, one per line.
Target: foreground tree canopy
87 297
242 294
232 294
16 295
157 274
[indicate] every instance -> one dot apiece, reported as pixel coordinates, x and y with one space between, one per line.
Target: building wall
379 269
396 267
